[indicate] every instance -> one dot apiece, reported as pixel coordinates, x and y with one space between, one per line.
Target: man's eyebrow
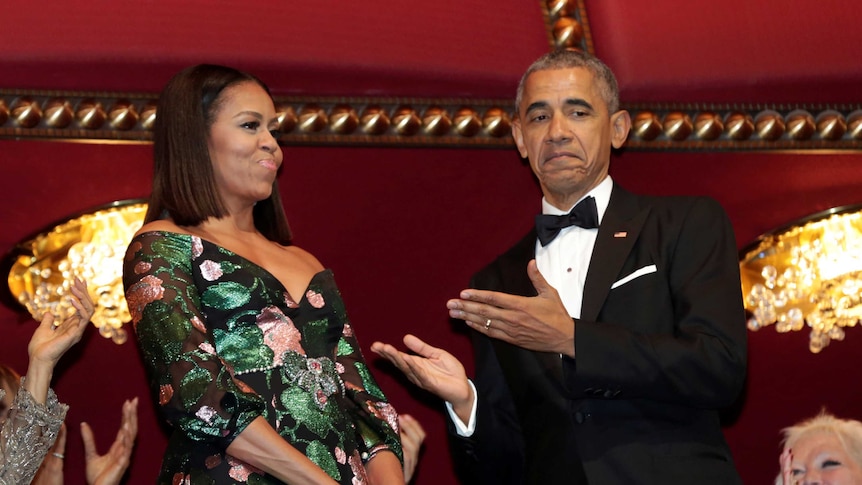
568 102
578 102
536 105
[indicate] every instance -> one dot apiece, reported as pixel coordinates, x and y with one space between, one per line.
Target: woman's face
242 145
819 457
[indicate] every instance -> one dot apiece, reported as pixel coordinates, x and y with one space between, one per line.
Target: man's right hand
432 369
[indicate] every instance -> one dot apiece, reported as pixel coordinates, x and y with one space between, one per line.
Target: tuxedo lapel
618 232
516 282
515 279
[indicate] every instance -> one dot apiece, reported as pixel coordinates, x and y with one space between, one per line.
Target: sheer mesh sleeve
376 419
27 435
195 390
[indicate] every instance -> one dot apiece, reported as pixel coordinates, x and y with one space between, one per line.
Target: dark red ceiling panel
767 51
326 47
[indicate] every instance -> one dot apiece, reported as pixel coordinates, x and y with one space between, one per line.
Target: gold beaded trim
112 117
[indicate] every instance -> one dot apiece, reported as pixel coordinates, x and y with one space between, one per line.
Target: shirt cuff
465 430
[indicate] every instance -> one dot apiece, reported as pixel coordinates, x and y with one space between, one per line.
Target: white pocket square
637 274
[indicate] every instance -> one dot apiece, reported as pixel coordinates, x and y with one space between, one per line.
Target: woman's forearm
384 468
262 447
38 379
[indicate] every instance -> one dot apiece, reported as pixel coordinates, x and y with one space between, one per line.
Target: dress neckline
283 289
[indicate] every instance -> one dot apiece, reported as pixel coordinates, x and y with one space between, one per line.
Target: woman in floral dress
248 348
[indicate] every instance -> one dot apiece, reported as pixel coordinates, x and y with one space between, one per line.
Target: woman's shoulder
304 257
161 225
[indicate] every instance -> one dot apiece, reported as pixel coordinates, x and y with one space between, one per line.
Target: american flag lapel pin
620 234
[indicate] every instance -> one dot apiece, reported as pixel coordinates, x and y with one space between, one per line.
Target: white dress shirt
563 263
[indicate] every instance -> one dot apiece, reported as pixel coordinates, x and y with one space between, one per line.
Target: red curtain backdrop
403 230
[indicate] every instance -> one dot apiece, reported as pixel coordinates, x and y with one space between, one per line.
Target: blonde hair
847 431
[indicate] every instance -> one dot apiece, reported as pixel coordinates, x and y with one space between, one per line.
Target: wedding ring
487 324
59 455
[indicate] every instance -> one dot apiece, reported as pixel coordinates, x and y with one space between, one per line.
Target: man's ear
621 124
518 136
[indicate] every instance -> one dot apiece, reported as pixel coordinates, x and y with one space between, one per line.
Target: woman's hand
412 436
50 342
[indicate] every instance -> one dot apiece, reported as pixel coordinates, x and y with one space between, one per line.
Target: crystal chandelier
90 246
807 274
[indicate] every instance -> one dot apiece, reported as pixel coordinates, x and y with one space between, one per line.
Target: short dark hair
183 181
568 59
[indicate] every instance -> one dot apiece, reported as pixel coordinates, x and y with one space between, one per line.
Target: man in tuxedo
610 337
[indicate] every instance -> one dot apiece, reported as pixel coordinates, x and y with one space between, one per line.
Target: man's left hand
540 323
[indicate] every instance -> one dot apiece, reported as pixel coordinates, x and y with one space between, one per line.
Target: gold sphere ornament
769 125
496 122
568 32
90 114
58 113
831 125
312 118
123 115
739 126
561 8
374 120
435 121
4 112
405 121
800 124
286 117
343 119
148 116
708 126
854 125
677 125
646 126
467 122
26 112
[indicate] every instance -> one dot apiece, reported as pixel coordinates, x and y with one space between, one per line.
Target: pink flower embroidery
212 461
358 468
207 347
198 324
166 392
211 270
279 333
339 367
288 301
133 249
197 247
315 298
340 455
142 293
347 331
142 267
180 479
384 411
240 470
206 413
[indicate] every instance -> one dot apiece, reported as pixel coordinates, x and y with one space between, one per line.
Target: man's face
565 130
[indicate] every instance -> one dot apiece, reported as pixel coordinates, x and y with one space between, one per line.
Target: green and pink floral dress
223 343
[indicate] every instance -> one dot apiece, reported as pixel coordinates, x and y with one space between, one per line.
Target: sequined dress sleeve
27 435
196 391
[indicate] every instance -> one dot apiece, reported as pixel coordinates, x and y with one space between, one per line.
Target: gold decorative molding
745 127
567 25
107 117
110 117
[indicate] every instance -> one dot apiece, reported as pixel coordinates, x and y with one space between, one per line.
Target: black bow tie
584 214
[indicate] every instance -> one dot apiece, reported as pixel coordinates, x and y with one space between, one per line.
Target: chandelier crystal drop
808 274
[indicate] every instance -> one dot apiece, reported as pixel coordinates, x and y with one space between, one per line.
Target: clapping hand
108 469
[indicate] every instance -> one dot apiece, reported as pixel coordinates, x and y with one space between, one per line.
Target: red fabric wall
403 230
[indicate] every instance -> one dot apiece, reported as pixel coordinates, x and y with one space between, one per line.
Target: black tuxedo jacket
660 348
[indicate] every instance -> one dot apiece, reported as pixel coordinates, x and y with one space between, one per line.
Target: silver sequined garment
27 435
